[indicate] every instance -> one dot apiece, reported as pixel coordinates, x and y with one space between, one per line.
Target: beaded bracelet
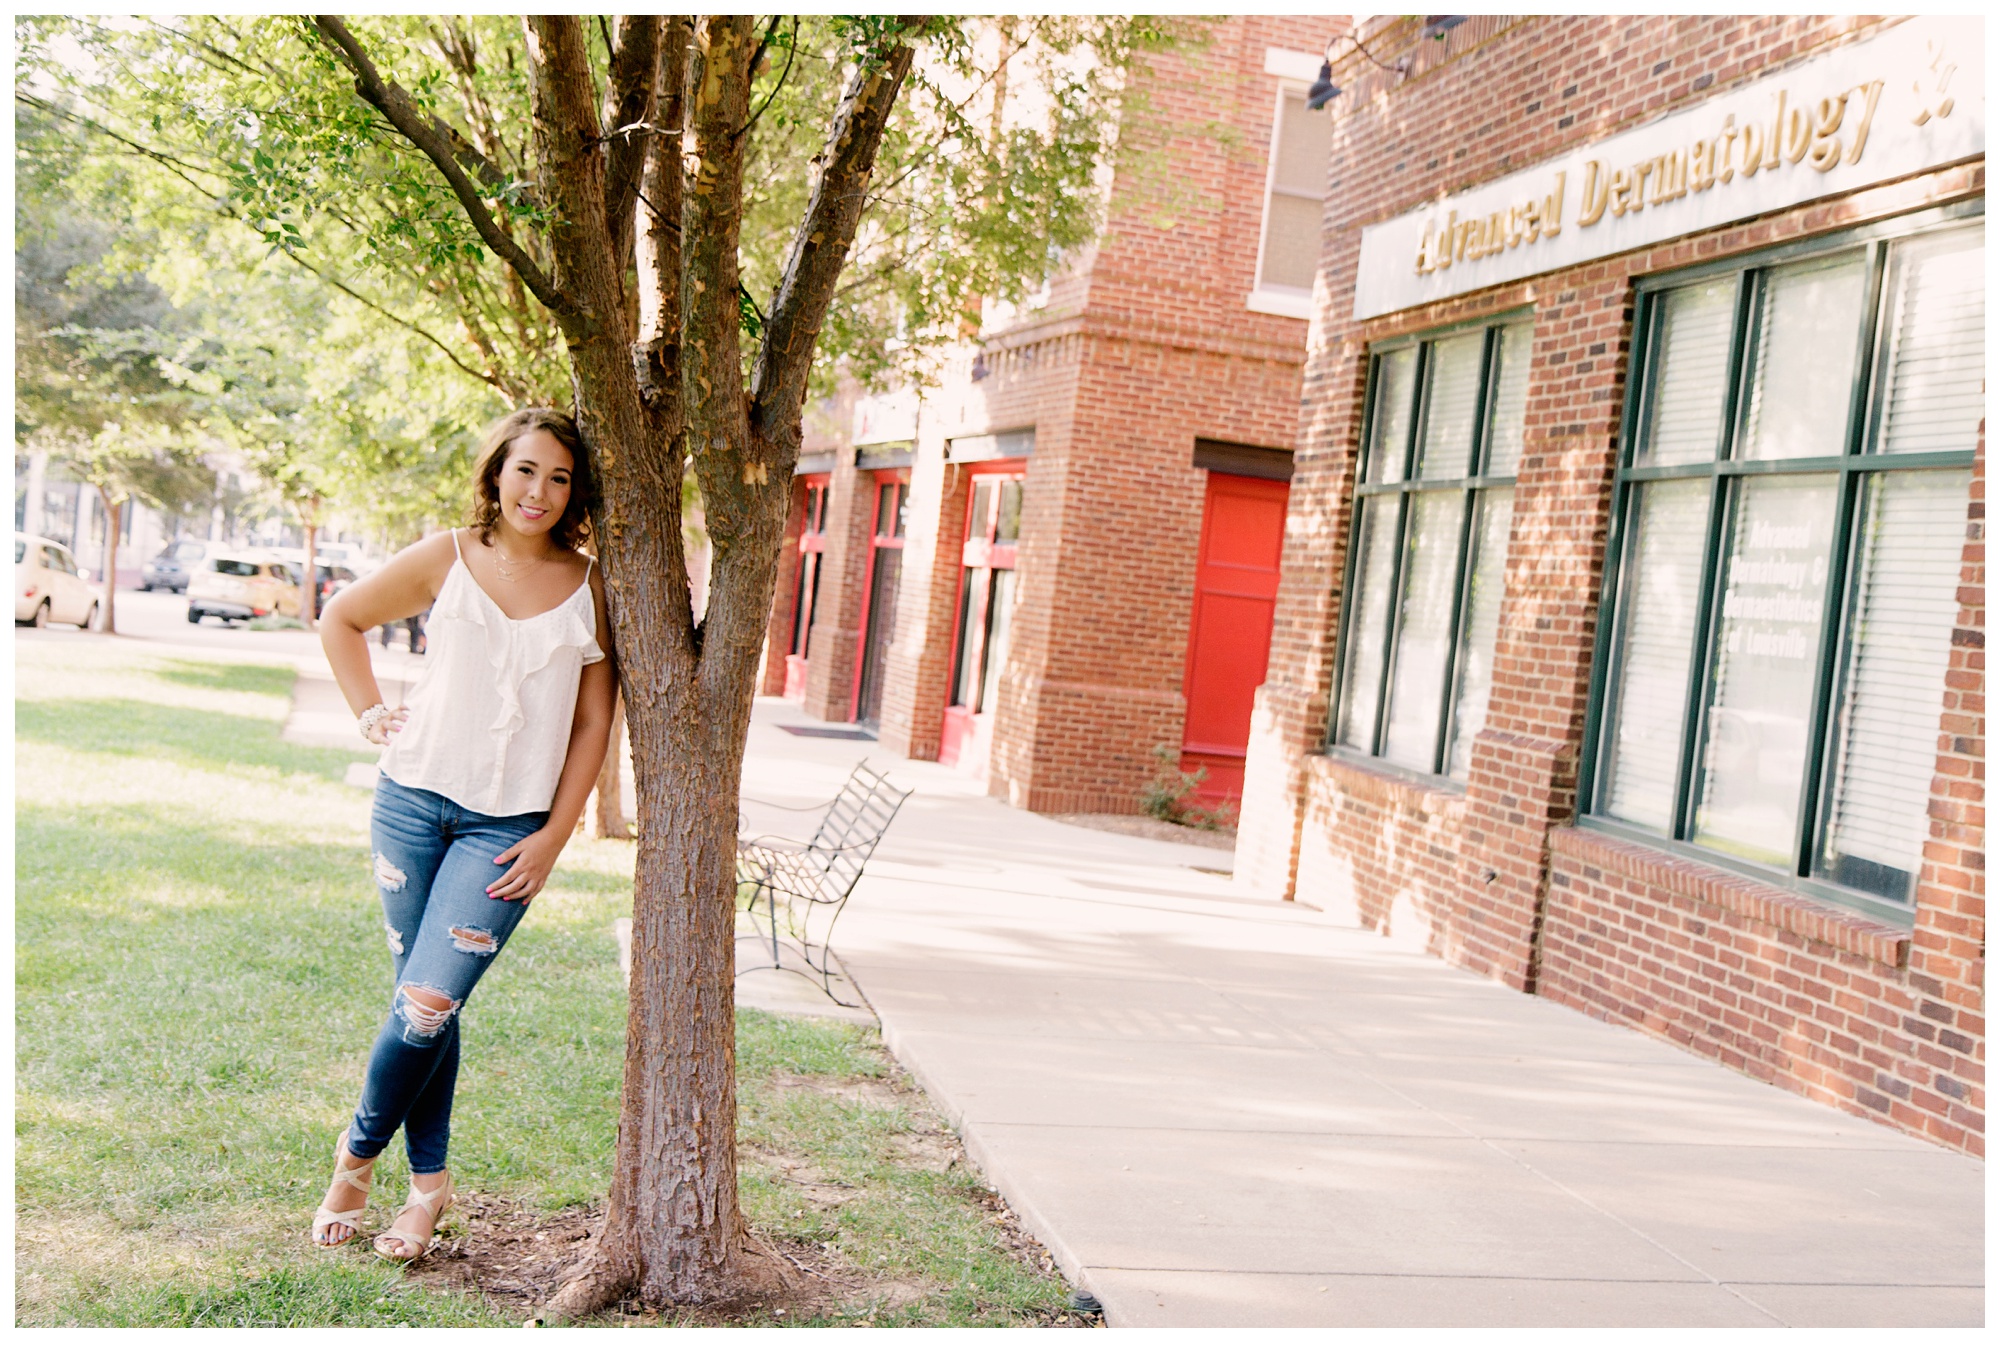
372 718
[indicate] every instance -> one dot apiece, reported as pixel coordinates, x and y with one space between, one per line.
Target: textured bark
309 584
611 823
657 380
114 514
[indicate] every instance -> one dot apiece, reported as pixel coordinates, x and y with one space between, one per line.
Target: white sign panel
1910 99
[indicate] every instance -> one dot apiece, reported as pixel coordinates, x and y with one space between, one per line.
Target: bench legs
792 936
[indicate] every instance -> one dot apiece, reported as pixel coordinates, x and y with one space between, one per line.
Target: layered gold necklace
520 568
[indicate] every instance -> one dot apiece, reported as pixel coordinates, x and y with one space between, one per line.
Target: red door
985 614
1235 595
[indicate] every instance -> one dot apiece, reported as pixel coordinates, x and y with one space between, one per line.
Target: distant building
1065 555
1629 647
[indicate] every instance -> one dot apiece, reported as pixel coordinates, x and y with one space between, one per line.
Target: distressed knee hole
475 941
395 939
423 1010
388 876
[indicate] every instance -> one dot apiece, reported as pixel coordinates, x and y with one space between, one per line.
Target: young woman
483 776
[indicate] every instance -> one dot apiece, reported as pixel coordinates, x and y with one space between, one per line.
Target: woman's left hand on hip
531 861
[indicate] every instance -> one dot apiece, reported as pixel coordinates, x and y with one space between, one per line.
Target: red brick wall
1146 344
1491 876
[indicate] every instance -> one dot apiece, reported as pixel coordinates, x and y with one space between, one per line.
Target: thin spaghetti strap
589 562
454 545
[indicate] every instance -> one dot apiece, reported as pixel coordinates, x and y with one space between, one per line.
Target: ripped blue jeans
433 864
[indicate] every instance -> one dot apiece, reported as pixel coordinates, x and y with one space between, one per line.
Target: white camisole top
490 716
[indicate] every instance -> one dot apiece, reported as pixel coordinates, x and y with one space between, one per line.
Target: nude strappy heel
352 1177
432 1204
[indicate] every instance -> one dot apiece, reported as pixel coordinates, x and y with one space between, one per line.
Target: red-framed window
813 490
812 548
985 597
885 571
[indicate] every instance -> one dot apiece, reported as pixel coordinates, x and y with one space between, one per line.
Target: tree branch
396 319
178 167
657 235
395 105
631 96
770 98
819 250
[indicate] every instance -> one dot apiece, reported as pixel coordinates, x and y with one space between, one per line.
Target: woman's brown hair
573 530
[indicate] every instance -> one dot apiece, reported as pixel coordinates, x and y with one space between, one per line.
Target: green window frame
1781 577
1426 566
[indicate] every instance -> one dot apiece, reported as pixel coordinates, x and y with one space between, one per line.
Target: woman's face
534 482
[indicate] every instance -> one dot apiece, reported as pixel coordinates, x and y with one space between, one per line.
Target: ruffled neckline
473 582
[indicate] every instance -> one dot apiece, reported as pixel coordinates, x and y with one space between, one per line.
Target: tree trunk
114 522
611 823
309 584
657 379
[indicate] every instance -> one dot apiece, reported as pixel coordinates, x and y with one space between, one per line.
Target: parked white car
48 586
242 584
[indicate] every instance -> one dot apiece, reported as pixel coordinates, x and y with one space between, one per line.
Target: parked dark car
168 570
332 577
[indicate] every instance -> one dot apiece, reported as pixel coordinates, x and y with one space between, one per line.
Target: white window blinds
1803 381
1905 605
1388 441
1662 594
1684 407
1361 682
1452 409
1510 400
1936 357
1423 639
1766 659
1482 626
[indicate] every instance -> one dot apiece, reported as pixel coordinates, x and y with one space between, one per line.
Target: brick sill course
1687 879
1381 781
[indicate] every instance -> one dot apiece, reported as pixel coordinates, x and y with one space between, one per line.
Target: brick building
1065 554
1629 646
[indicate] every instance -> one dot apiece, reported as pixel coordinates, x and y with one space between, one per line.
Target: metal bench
813 879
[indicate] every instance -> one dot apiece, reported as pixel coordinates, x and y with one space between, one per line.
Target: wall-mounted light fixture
1324 91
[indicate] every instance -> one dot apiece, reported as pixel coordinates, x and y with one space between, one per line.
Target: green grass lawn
200 971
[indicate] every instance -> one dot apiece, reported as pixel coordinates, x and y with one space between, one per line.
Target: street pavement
1223 1110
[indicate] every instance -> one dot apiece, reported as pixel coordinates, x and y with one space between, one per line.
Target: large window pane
1388 439
1482 626
1691 382
1936 357
1291 242
999 629
1662 587
1453 408
1766 658
1510 400
1885 738
1802 383
971 635
1305 142
1007 529
1423 641
1367 630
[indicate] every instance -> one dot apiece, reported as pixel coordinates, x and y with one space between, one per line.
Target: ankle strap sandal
432 1204
360 1176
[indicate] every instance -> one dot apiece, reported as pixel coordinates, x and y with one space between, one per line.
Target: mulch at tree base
518 1259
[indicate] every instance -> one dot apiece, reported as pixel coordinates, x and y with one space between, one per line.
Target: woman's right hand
388 727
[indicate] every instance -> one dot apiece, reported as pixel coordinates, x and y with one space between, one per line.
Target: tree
660 201
88 385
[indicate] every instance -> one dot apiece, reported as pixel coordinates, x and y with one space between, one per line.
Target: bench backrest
854 824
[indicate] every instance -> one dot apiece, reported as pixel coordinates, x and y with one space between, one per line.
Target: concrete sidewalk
1218 1110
